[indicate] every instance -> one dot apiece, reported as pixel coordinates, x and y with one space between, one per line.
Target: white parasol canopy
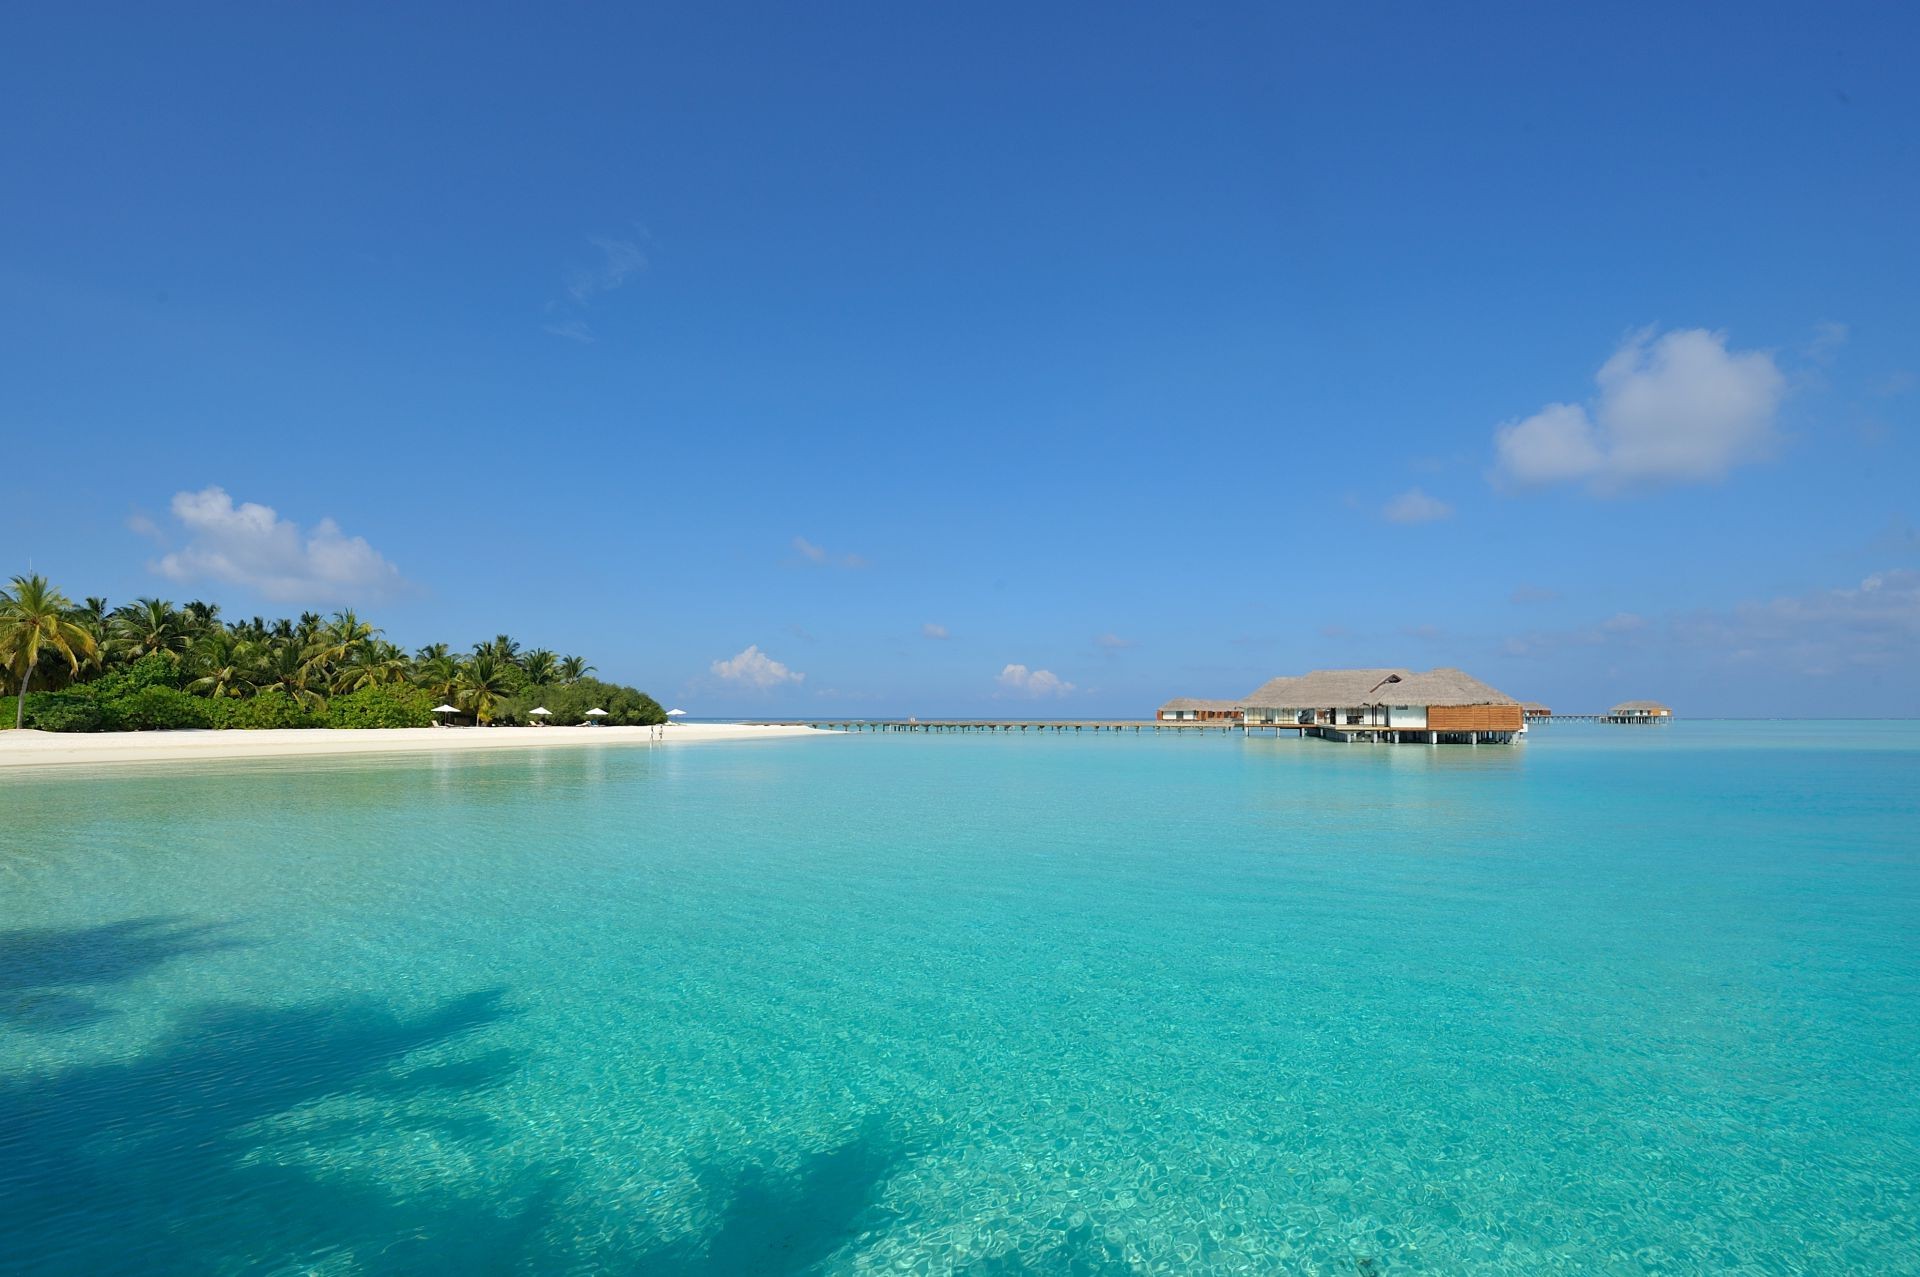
446 709
676 713
540 711
596 712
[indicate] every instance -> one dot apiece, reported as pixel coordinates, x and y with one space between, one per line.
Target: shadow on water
772 1225
175 1160
44 971
267 1138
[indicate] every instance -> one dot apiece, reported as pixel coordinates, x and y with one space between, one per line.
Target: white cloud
250 545
809 551
1415 506
754 668
934 631
1113 642
1035 683
1676 408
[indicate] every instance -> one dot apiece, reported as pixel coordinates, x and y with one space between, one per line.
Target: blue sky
979 359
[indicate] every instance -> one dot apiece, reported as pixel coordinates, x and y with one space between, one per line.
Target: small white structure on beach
596 714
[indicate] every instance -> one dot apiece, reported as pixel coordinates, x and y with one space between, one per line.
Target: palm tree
483 681
200 617
34 617
148 626
93 616
335 643
372 664
432 652
282 667
502 649
224 660
573 668
439 674
541 667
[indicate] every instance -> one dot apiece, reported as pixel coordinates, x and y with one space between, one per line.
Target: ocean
1616 1000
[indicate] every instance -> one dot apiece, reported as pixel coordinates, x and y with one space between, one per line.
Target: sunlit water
1620 1000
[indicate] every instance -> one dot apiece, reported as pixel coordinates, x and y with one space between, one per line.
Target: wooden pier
1345 732
1001 725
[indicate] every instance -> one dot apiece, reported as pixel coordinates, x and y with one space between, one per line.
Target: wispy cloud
1872 624
934 630
620 260
1674 408
571 329
1113 642
812 553
754 668
615 262
251 546
1039 684
1415 506
1826 341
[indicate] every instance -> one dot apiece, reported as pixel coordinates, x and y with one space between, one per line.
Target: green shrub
156 709
569 702
394 705
152 670
272 709
61 712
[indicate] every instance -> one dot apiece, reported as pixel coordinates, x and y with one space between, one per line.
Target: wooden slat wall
1474 718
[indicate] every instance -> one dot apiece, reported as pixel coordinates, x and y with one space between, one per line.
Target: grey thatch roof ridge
1326 689
1199 702
1624 706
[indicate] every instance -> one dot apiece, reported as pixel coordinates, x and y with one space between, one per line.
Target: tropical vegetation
149 665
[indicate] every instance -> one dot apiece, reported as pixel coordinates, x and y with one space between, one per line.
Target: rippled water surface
1620 1000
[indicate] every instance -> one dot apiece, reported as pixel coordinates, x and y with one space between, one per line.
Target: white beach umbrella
540 711
596 712
676 713
446 709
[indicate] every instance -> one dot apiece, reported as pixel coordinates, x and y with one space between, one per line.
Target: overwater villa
1194 709
1639 712
1534 709
1438 707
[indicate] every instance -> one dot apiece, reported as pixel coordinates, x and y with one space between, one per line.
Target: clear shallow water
1622 1000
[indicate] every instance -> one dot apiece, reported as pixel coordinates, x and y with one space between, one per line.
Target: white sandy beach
51 749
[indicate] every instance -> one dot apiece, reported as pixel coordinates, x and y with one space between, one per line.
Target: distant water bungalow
1399 706
1194 709
1639 712
1534 709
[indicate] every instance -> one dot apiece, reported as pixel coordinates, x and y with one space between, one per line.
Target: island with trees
149 666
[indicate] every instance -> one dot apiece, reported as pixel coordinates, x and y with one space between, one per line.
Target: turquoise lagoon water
1621 1000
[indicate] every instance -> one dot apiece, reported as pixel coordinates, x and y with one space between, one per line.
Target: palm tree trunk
20 702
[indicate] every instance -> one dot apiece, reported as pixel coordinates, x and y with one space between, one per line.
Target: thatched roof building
1640 709
1182 708
1329 689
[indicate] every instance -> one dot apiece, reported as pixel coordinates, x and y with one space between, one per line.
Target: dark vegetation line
149 665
